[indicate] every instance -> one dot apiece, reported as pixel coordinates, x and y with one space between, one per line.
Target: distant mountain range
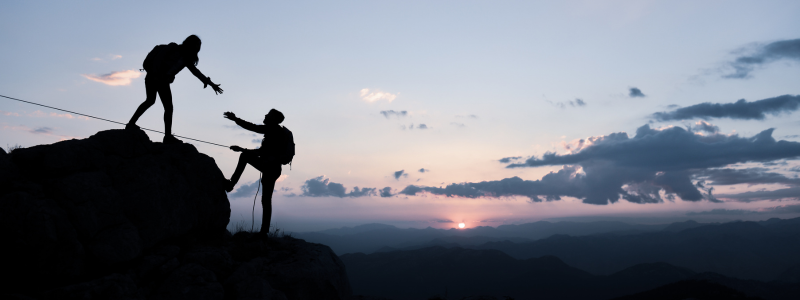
593 260
459 272
370 238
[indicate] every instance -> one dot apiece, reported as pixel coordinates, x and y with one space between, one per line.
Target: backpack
286 155
155 59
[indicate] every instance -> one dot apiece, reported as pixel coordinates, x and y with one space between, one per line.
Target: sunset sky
440 112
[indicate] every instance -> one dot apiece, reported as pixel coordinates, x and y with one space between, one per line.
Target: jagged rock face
77 207
116 216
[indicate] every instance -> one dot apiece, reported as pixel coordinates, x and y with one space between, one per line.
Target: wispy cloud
763 54
46 131
376 95
389 113
743 110
115 78
783 209
110 57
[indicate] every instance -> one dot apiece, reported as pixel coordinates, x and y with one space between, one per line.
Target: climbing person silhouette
162 64
277 148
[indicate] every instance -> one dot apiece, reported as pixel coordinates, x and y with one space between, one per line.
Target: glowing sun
462 225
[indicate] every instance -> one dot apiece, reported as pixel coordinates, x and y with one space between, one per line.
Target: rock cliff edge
117 216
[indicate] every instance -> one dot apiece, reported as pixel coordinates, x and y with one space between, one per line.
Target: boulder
79 207
116 216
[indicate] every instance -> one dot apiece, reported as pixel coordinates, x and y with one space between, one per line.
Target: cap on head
275 115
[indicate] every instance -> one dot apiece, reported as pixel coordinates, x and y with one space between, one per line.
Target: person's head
273 117
190 47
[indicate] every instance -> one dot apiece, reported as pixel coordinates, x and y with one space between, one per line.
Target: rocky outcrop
116 216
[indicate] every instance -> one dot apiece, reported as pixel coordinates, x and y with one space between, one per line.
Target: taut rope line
107 120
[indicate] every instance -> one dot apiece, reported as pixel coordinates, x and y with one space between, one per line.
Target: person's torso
273 141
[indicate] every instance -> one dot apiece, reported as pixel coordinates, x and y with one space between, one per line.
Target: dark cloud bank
756 110
744 65
323 187
639 169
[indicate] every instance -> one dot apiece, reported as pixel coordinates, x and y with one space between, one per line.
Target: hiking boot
131 126
171 139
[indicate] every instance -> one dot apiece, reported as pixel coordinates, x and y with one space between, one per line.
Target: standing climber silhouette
277 148
162 64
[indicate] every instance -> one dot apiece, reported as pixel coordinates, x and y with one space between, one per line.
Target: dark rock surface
116 216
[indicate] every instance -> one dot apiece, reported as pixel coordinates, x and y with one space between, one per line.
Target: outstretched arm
206 80
244 124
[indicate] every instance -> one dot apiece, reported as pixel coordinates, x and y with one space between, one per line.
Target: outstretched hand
237 148
216 88
229 115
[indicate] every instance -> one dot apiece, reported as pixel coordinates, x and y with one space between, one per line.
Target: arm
240 149
206 80
242 123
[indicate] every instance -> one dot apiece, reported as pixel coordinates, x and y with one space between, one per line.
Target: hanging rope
253 225
107 120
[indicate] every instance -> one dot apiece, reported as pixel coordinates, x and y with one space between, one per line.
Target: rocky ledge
117 216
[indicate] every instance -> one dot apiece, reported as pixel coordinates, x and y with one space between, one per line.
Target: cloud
764 54
257 141
400 173
459 125
386 192
750 176
635 92
787 193
411 126
572 103
705 127
42 130
368 96
551 187
756 110
115 78
111 57
47 131
246 190
467 116
323 187
783 209
423 170
638 169
389 113
506 160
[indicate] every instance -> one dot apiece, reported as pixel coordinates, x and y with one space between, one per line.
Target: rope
107 120
254 204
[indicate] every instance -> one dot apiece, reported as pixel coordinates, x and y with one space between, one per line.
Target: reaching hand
237 148
229 115
216 88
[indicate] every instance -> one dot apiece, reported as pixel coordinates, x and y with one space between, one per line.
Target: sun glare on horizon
462 225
